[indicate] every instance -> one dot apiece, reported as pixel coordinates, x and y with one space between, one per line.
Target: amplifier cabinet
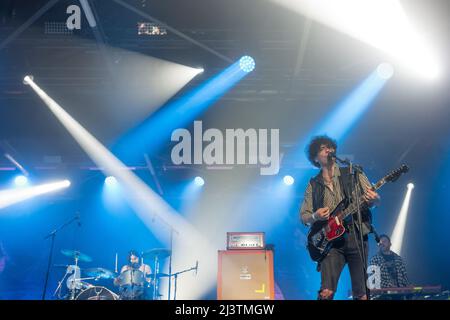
245 275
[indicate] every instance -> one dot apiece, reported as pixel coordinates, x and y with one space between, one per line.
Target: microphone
375 234
196 267
331 156
377 238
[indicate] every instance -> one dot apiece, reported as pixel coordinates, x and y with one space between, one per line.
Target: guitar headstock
395 174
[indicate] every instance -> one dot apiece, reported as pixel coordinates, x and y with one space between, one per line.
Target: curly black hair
314 147
133 253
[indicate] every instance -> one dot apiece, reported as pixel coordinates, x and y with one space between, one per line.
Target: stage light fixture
199 181
20 181
288 180
28 79
247 64
385 70
110 181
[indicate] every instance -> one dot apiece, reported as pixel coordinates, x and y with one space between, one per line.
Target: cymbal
159 252
76 255
100 273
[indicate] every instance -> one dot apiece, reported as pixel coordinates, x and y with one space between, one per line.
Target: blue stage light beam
190 196
156 130
112 195
347 113
342 119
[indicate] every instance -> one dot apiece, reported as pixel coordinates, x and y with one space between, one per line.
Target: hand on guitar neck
371 197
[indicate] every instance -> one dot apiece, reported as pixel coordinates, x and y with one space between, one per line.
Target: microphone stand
354 185
176 278
52 235
172 230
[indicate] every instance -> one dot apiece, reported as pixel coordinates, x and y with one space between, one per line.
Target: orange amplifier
245 240
245 275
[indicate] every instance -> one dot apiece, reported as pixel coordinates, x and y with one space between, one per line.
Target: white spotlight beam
189 243
399 229
382 24
13 196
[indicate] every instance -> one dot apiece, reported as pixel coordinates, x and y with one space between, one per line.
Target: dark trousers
345 250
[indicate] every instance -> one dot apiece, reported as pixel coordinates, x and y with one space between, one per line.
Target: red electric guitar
323 233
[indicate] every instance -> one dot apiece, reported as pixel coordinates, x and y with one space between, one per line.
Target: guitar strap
345 181
345 185
318 189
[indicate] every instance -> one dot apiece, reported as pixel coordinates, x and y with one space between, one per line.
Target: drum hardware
97 293
74 282
161 253
100 273
172 231
133 283
159 275
52 236
76 255
157 255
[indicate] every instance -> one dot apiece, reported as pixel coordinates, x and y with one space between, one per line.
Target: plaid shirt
387 280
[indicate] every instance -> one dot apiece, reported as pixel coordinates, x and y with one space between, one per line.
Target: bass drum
97 293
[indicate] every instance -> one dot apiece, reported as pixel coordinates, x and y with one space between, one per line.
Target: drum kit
133 283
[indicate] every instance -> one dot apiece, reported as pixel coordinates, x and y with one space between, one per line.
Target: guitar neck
353 207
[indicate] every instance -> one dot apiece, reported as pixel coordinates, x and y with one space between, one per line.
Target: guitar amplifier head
245 240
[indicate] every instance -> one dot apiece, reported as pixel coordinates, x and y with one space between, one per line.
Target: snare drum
97 293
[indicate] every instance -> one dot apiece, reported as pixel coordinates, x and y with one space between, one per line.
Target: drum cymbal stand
58 289
155 279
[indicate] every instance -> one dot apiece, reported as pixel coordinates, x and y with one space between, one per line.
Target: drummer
134 264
